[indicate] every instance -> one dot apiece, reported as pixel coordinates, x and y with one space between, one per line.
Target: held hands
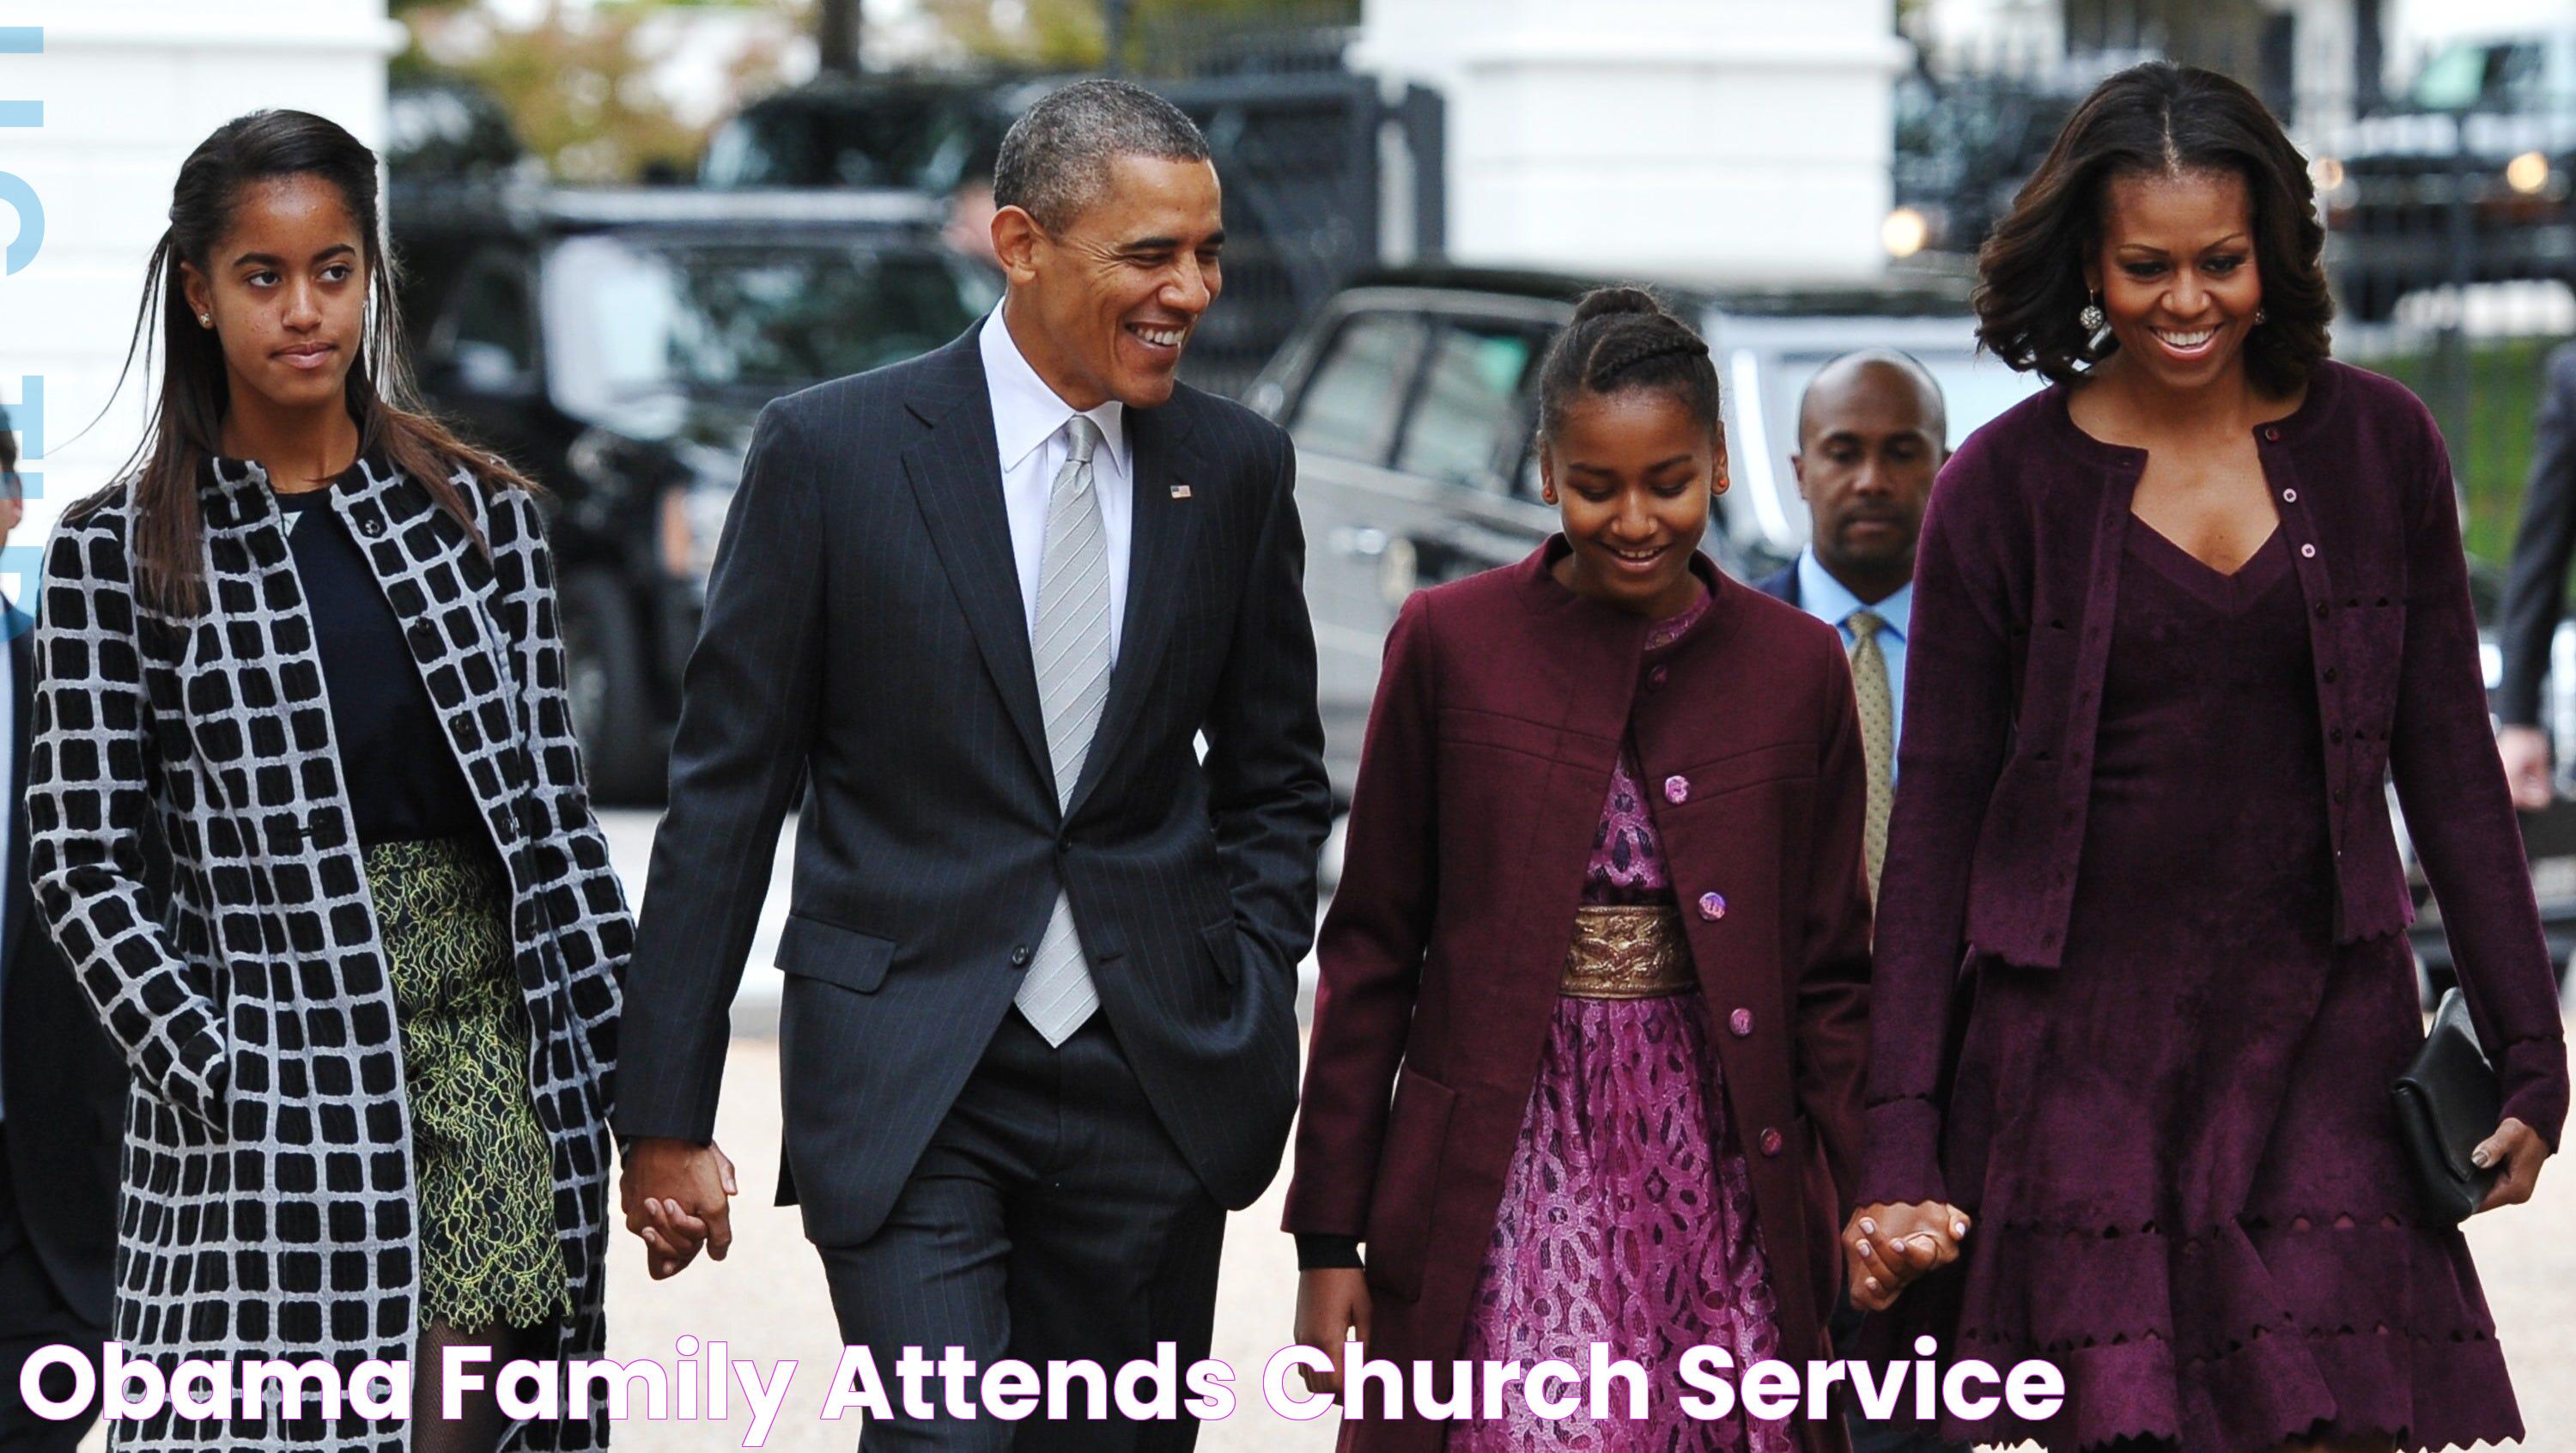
2520 1150
1886 1248
676 1196
2525 750
1332 1304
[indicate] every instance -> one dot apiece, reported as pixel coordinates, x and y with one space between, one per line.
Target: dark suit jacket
865 627
2535 589
2015 585
62 1084
1489 752
1781 584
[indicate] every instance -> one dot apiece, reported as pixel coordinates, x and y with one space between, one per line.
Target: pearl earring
2091 317
205 320
2260 316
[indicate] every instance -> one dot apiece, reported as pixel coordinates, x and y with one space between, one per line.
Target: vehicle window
492 340
2472 74
1469 400
635 317
1355 397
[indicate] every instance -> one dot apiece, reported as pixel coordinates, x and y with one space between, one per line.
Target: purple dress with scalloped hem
2208 1229
1627 1217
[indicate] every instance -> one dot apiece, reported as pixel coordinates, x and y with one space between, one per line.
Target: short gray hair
1055 159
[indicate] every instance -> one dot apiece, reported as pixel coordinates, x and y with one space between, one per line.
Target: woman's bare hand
1886 1248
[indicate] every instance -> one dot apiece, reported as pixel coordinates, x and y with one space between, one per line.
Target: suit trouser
1051 1217
33 1315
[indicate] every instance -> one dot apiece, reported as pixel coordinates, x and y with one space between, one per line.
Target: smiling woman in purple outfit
2141 982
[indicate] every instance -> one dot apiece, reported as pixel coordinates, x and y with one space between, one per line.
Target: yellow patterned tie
1877 734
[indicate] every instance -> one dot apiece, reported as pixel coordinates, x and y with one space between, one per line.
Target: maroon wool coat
2016 582
1489 751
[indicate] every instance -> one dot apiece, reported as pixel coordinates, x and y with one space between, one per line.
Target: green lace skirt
485 1175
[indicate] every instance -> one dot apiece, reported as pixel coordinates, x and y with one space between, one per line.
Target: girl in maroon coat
1586 1058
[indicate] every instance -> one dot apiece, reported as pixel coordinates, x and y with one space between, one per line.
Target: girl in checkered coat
309 823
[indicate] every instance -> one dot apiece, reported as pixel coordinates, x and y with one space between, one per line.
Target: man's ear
1017 240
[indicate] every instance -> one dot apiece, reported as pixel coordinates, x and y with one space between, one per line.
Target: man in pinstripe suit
1038 1028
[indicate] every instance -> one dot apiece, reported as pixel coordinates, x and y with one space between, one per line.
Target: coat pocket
1408 1183
813 949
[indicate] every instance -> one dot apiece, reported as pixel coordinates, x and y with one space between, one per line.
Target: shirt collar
1829 599
1026 412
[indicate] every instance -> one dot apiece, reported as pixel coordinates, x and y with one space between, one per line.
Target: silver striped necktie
1071 646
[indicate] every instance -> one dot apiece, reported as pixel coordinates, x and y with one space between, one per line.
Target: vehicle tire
623 746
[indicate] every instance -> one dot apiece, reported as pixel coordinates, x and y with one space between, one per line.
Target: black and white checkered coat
267 1206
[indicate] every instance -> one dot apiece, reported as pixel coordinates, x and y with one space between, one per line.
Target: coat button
1770 1141
1740 1023
1712 906
2307 552
1677 790
2289 496
371 526
1657 677
2271 434
2330 675
1020 957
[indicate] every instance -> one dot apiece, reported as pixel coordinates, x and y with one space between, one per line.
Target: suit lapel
956 476
1162 530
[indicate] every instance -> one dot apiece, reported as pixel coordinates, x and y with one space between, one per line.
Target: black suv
1411 400
616 344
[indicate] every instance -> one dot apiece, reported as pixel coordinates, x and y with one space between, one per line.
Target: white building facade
125 92
1734 139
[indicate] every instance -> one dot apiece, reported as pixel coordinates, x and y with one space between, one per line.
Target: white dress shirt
1028 427
1831 601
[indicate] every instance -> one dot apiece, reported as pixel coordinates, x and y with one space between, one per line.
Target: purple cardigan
2015 584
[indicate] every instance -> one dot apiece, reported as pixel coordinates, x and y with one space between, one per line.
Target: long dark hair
2155 119
187 422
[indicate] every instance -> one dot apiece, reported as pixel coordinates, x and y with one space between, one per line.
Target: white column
128 90
1694 138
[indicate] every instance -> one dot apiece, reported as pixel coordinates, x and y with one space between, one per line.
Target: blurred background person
2141 986
62 1094
2535 589
1871 435
309 642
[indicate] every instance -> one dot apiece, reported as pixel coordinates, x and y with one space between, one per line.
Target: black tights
483 1423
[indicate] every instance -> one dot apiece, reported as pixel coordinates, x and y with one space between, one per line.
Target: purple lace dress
1627 1218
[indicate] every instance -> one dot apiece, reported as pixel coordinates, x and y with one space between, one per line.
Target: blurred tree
1073 34
836 35
579 84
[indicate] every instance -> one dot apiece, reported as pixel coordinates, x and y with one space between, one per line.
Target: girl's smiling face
1632 473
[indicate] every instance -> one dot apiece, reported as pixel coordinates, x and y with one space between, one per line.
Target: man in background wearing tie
1872 433
62 1094
1038 1031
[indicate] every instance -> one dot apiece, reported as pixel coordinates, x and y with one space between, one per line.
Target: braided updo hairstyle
1622 339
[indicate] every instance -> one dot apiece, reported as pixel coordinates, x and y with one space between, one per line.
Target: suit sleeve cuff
1902 1165
1317 1251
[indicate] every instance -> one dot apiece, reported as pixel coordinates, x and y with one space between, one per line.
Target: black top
403 779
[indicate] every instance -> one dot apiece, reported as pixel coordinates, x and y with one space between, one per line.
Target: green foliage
2492 440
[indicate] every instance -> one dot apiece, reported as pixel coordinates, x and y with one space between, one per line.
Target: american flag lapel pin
1180 491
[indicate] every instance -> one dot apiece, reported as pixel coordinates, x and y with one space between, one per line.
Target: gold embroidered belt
1628 953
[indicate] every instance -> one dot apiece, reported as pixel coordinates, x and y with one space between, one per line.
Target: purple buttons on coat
1740 1023
1712 906
1657 677
1677 790
1770 1141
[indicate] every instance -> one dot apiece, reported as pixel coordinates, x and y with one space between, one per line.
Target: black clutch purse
2448 1101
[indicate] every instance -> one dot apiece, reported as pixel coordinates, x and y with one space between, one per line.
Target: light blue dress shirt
1830 601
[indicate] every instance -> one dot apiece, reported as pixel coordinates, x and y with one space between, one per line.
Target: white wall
1690 138
129 88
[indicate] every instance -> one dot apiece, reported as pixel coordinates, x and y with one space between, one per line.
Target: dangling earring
2091 317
